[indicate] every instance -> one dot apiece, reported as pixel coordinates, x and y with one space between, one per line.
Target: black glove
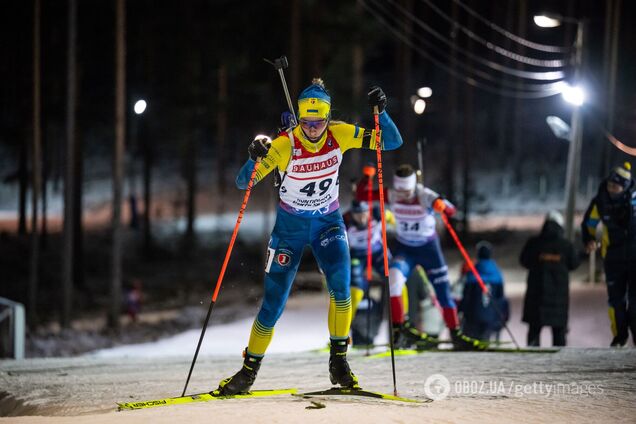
377 98
259 147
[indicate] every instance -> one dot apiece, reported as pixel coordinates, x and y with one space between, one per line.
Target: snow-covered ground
573 385
303 327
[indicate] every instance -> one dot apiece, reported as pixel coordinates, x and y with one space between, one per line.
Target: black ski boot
405 336
242 380
618 342
339 371
463 342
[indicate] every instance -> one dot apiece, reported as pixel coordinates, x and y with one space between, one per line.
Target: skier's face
403 194
614 189
361 218
313 128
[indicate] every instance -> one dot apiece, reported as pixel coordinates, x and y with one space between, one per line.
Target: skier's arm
591 220
277 157
354 137
430 198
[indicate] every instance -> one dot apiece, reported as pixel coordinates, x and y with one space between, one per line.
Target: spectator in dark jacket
549 257
480 318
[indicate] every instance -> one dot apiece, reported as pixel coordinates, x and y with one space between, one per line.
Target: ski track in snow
484 387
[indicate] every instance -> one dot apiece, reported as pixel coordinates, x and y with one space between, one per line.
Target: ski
410 352
201 397
339 391
360 348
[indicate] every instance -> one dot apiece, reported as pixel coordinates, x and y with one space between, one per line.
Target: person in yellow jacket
308 158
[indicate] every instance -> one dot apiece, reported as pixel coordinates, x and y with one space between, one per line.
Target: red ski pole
370 202
222 273
378 149
483 286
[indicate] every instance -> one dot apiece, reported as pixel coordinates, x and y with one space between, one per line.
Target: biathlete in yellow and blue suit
615 206
308 158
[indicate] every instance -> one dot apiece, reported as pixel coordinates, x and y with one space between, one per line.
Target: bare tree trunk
221 135
44 237
148 160
118 161
406 86
78 195
468 138
35 165
518 106
503 121
23 183
357 89
610 64
451 125
68 255
191 182
295 41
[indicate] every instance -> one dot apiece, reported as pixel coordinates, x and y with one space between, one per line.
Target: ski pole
222 273
429 289
369 256
483 286
378 149
279 64
369 227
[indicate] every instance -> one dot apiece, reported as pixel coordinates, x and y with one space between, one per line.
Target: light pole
575 95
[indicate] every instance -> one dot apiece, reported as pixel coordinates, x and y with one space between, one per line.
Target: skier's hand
440 206
377 98
259 147
591 246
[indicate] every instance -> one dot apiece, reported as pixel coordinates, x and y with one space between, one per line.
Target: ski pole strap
378 149
464 254
248 191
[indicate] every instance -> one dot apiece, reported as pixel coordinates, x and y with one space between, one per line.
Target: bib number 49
323 186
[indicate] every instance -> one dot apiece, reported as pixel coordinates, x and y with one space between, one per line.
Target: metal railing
12 329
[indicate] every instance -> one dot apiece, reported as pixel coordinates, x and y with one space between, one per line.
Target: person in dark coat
615 206
480 318
549 258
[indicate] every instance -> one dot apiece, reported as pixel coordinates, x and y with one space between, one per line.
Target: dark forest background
199 65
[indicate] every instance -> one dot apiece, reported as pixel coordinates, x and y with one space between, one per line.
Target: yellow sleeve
352 136
277 157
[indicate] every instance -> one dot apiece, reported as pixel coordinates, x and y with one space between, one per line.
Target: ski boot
339 371
405 336
618 342
242 380
463 342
